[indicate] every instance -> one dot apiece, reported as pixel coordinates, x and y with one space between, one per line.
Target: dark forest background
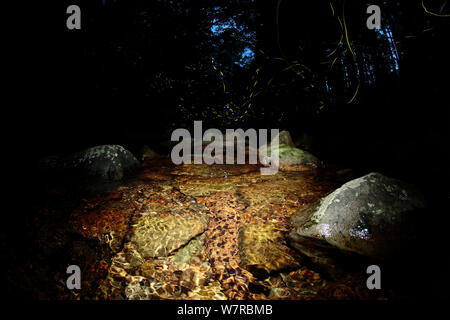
376 100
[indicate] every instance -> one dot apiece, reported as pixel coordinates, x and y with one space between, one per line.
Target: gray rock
372 216
109 162
104 163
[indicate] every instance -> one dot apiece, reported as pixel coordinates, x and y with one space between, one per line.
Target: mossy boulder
291 159
285 138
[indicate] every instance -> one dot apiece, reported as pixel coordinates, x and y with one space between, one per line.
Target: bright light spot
219 27
246 56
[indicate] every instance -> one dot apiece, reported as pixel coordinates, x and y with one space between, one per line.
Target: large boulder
285 138
373 216
104 163
291 159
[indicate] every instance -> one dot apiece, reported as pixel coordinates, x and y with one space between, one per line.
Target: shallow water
188 232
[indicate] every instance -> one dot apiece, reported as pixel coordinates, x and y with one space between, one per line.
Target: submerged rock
262 250
212 291
372 216
139 289
107 225
193 249
169 279
292 159
159 236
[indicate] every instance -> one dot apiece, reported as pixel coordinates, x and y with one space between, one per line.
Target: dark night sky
88 87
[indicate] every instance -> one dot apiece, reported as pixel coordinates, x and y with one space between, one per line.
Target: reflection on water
188 232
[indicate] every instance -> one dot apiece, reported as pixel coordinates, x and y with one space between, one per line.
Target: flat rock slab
193 249
159 236
262 250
